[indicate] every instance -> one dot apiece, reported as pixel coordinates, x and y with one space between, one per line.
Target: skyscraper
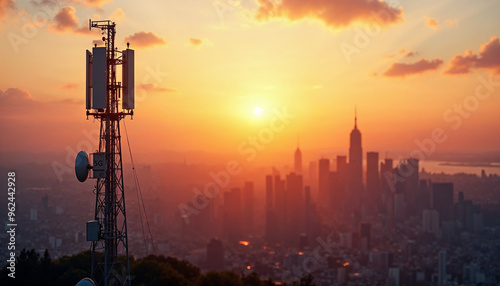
271 222
365 236
248 214
386 175
442 200
324 181
372 176
232 214
442 268
355 177
215 255
298 161
269 192
295 205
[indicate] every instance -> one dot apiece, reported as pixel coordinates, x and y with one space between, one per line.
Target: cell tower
108 230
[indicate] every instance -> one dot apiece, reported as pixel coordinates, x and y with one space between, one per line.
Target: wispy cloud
432 23
488 57
5 6
195 42
65 21
144 39
403 69
69 86
333 13
154 88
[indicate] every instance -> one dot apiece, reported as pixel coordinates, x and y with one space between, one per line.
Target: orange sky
203 66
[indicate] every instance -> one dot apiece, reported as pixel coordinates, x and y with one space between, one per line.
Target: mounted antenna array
108 230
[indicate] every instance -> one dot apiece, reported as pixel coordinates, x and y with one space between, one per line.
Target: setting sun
257 111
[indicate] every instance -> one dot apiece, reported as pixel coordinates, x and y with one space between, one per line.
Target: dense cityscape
390 224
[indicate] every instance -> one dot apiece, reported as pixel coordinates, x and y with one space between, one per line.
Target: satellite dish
82 166
85 281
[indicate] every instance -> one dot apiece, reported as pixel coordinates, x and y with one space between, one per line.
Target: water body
459 167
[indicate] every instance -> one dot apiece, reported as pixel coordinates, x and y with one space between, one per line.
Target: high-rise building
298 161
442 200
280 206
295 204
372 175
340 183
324 181
269 192
248 209
232 214
442 268
386 175
373 193
430 221
215 255
365 236
407 182
355 183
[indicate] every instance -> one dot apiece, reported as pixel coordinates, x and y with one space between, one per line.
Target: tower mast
108 231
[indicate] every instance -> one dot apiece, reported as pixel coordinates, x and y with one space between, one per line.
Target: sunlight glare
257 111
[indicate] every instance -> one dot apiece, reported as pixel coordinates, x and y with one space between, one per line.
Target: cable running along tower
107 232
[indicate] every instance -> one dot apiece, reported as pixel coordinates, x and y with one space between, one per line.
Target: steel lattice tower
110 256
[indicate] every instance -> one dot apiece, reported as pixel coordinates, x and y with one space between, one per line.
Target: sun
257 111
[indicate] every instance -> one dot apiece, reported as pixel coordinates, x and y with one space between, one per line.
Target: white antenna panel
88 87
99 78
128 79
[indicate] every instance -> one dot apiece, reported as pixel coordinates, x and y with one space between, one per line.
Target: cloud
402 70
91 3
117 16
410 54
432 23
49 3
145 39
153 88
69 86
15 96
65 21
333 13
450 22
96 3
402 51
5 6
195 42
488 57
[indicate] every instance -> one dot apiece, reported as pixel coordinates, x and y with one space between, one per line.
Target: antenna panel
99 79
128 80
88 89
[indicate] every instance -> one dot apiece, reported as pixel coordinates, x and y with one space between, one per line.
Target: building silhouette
372 174
298 161
355 176
372 183
324 182
442 200
248 207
215 255
232 214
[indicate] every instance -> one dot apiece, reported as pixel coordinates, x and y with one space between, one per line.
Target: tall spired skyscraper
298 161
355 179
356 153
